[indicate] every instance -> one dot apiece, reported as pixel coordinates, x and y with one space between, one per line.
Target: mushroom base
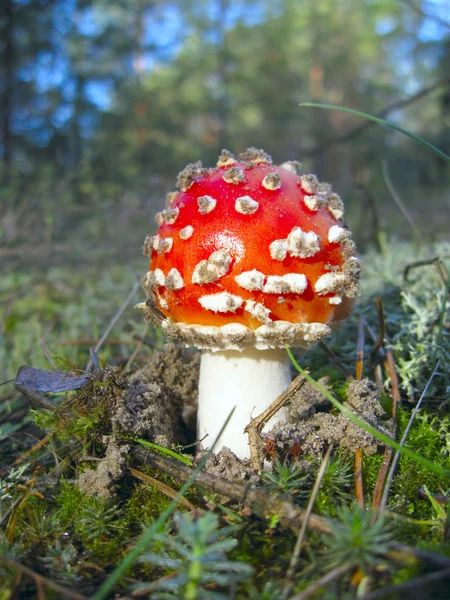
248 380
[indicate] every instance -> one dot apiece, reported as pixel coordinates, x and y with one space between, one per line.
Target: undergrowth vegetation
60 538
89 509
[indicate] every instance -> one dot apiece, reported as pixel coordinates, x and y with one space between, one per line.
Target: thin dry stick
336 360
388 452
323 581
382 332
359 488
257 500
440 498
13 506
402 441
162 487
436 260
88 342
426 15
298 546
360 350
388 360
399 201
256 425
381 479
136 350
263 505
390 367
412 584
41 580
30 451
114 320
47 352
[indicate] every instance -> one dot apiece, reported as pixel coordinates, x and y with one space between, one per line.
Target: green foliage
288 478
337 485
429 438
78 191
196 558
8 487
95 522
358 539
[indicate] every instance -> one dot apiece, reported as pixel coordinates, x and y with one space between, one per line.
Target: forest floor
90 475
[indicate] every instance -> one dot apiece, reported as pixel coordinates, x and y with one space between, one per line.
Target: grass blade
358 113
376 434
390 476
161 449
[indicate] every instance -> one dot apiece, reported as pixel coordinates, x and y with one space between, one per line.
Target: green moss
337 485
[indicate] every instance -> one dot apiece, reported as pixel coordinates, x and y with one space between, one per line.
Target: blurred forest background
104 102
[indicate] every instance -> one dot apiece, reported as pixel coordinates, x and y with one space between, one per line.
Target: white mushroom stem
249 380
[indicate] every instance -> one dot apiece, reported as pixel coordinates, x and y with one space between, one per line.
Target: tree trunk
7 96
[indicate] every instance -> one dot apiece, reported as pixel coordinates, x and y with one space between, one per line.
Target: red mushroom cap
254 248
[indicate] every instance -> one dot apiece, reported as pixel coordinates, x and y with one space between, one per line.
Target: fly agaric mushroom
249 257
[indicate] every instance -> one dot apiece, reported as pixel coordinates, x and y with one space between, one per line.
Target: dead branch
257 500
413 584
40 580
256 425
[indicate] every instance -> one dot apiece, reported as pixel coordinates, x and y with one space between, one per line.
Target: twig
47 352
88 342
258 500
390 367
33 250
143 339
151 587
336 360
14 505
323 581
398 201
256 425
162 487
436 260
360 350
404 553
388 451
355 131
359 488
388 359
136 350
40 579
382 331
426 15
373 235
35 398
440 498
264 505
411 584
301 535
114 320
402 441
30 451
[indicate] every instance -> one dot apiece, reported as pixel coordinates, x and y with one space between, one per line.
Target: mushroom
248 258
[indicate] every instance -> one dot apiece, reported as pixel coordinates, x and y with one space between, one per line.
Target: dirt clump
102 481
312 429
227 465
307 401
157 397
